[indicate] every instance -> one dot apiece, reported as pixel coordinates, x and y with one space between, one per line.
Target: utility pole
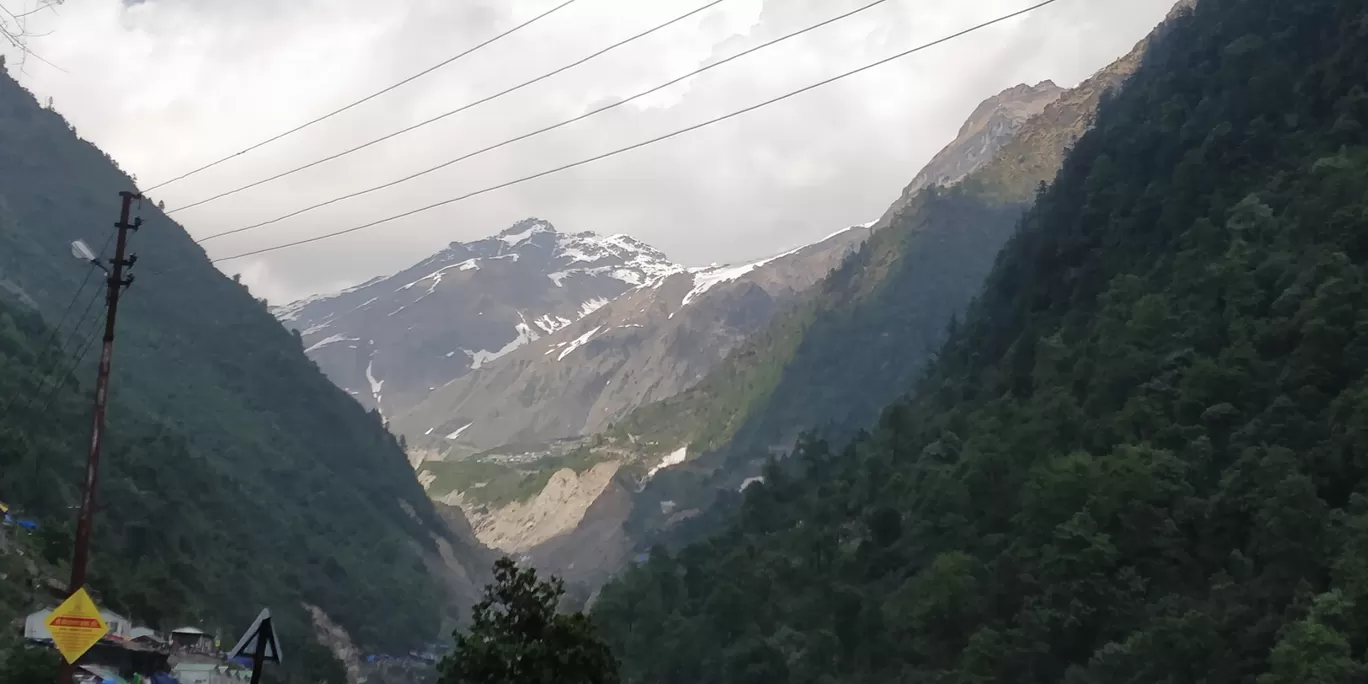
116 284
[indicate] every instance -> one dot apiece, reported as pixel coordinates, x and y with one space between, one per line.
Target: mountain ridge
1137 459
225 444
463 307
859 339
651 342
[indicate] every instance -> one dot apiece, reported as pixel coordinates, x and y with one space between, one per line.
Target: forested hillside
1140 458
235 475
862 337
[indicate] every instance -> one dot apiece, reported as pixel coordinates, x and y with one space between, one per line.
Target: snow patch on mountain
847 229
577 343
551 324
592 305
671 459
525 334
375 385
707 278
514 237
405 306
436 276
331 340
291 311
620 257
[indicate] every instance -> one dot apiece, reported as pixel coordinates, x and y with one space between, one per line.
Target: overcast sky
210 77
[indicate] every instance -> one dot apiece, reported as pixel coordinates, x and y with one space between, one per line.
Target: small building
209 671
194 640
125 659
36 630
148 637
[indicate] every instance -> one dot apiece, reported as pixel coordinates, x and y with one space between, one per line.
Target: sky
165 86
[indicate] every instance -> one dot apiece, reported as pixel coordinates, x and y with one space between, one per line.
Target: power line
66 374
365 99
42 393
553 127
57 359
18 38
46 346
645 143
453 112
56 330
115 283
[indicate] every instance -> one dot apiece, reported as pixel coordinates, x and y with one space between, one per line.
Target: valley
659 401
1084 403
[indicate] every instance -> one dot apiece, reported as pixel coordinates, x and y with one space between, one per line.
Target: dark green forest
1139 458
835 358
876 312
235 476
859 339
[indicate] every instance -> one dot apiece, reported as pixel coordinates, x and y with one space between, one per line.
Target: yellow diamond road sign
76 625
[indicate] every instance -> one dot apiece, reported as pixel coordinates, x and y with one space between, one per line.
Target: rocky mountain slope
650 343
857 342
1138 458
578 507
993 124
234 476
391 341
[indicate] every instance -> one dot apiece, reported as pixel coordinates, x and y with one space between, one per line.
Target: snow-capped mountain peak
465 306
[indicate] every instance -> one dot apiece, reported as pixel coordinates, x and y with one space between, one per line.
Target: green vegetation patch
488 482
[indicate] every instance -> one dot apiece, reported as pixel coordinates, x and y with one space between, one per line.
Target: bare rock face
336 640
593 550
556 510
1011 143
994 123
650 343
391 341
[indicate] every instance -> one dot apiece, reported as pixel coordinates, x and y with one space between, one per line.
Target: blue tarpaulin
28 524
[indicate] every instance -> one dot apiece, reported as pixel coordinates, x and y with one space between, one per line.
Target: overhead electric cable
524 179
47 344
453 112
66 374
42 392
365 99
548 129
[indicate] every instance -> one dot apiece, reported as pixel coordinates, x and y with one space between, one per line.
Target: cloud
167 85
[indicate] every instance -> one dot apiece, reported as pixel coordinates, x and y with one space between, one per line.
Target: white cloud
166 85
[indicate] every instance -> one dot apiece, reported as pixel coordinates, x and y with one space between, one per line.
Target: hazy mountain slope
391 341
648 344
832 357
1140 458
236 475
993 125
863 338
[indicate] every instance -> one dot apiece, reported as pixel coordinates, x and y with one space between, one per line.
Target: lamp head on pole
82 251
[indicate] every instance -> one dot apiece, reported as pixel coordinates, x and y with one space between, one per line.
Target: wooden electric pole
116 283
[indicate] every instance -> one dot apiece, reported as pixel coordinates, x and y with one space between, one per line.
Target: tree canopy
1140 457
516 636
235 476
